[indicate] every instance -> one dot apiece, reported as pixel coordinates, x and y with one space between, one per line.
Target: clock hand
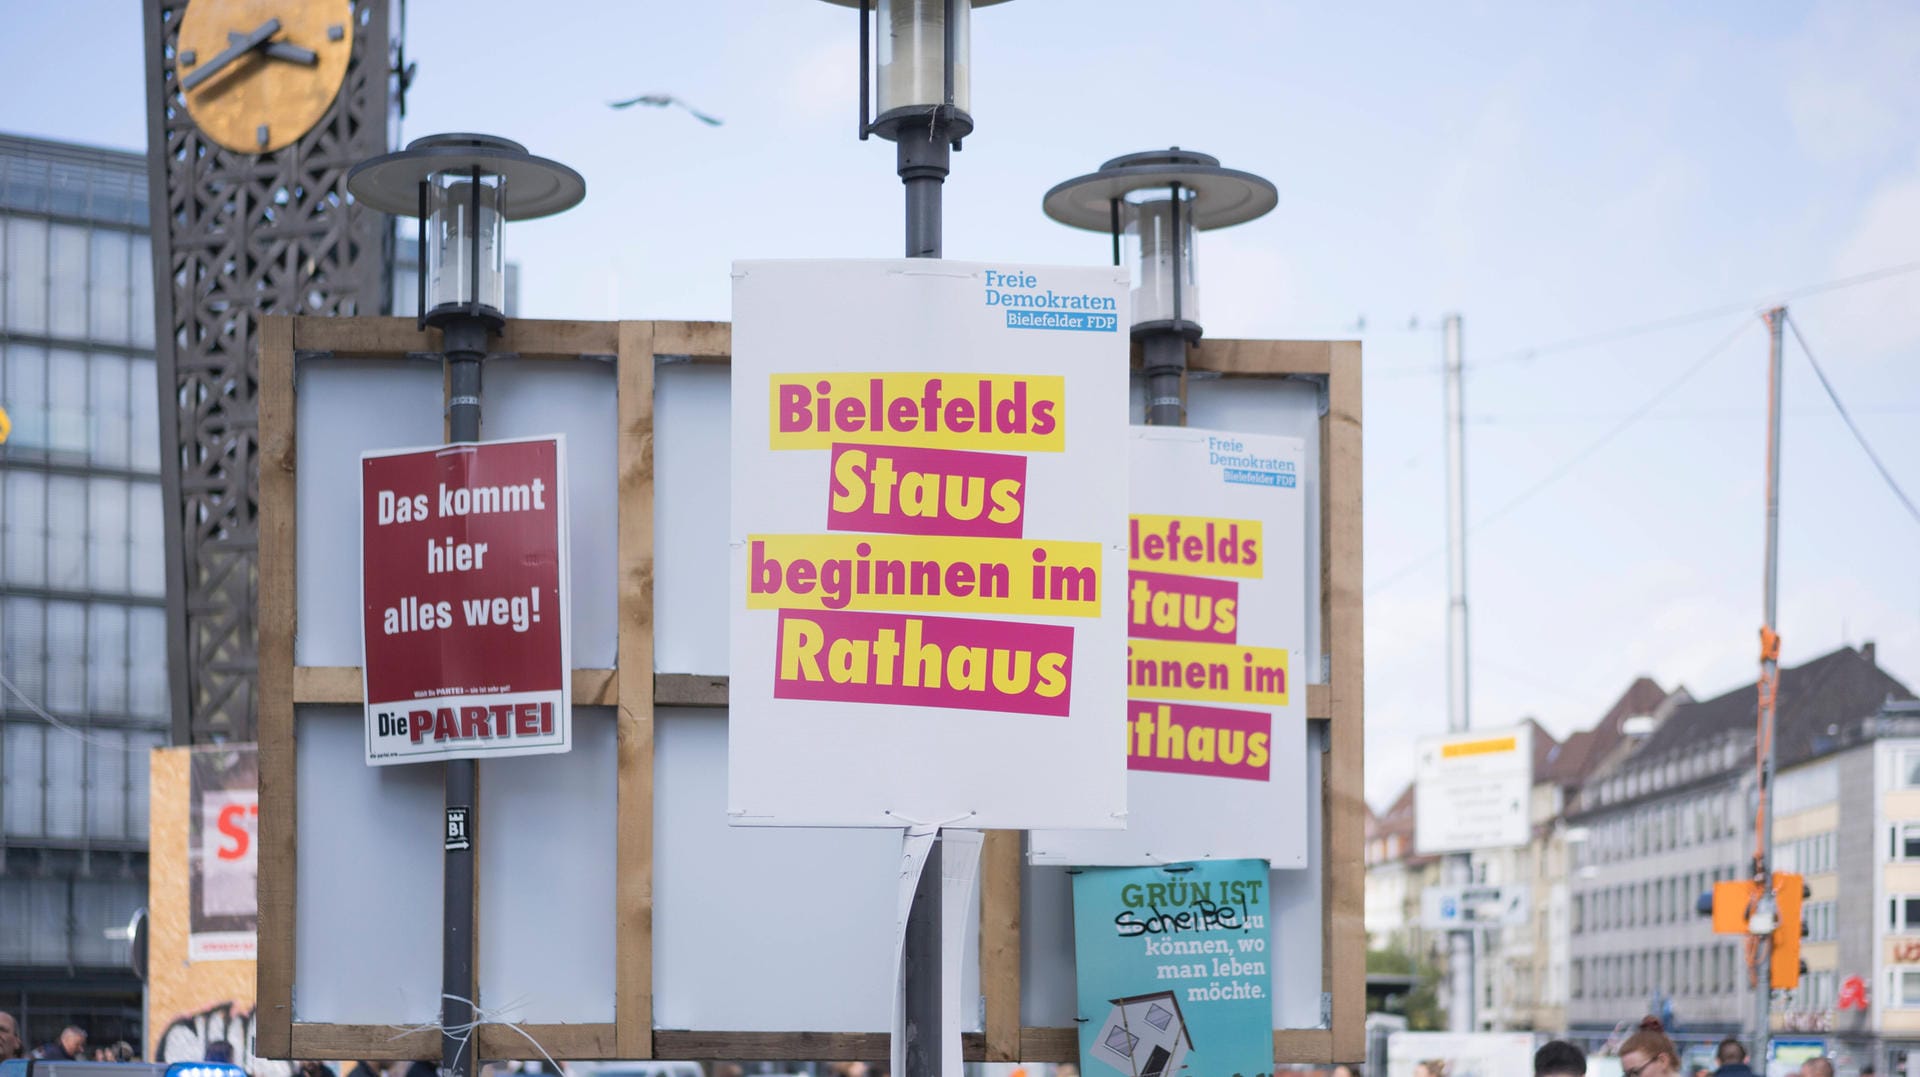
280 50
231 53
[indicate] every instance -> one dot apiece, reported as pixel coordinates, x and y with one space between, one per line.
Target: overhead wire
1608 336
1858 435
1567 465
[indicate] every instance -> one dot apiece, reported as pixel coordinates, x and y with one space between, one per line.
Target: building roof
1583 752
1815 698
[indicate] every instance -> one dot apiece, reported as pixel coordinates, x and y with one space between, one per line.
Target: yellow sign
1489 746
6 426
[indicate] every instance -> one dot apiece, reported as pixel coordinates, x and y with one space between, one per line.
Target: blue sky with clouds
1550 171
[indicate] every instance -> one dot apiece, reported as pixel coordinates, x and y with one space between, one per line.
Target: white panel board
1289 407
536 397
896 364
1215 768
547 851
692 422
761 929
368 863
344 407
1047 998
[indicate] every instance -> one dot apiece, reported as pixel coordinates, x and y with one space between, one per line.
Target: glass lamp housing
462 258
1150 245
912 53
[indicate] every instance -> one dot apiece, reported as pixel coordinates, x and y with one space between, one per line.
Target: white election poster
928 545
1473 791
1216 706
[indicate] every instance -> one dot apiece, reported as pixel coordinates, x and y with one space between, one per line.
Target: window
26 310
1903 913
1906 988
1909 775
67 281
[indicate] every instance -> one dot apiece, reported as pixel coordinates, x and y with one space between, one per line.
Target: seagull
662 100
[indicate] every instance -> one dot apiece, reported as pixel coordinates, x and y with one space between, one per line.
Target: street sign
1471 791
1450 908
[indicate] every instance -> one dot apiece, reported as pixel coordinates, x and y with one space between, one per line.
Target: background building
82 593
1674 814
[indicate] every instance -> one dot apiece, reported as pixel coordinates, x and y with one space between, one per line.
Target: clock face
258 74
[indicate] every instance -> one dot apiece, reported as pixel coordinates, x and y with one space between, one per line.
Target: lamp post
919 53
463 188
1152 204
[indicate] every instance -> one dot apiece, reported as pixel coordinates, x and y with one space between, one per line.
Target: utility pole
1459 866
1769 693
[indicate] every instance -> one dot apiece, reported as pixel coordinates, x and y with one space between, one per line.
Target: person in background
1817 1067
70 1047
9 1037
1559 1059
1344 1070
123 1052
1732 1056
1649 1053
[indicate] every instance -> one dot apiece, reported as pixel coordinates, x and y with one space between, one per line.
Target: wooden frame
633 687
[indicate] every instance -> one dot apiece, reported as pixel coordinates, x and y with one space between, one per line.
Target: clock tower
256 109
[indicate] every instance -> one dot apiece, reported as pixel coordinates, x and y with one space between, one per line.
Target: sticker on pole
465 593
928 546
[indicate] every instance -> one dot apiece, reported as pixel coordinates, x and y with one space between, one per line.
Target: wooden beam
689 690
633 971
1000 943
375 1043
1258 358
699 341
273 1014
502 1042
1343 852
392 338
342 684
784 1046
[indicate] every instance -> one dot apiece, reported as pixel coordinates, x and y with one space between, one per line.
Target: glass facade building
82 590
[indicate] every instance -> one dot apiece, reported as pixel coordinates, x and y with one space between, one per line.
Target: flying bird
662 100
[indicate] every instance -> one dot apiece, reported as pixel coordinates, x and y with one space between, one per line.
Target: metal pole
925 156
1457 667
1769 684
465 344
1463 1014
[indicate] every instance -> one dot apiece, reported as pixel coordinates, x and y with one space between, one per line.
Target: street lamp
924 97
463 188
1152 204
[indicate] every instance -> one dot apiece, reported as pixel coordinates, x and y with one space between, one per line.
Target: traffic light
1730 903
1789 893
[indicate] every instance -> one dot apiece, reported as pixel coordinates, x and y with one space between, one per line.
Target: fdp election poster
1172 967
928 544
223 833
465 593
1215 601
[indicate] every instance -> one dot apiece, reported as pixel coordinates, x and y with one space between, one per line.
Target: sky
1554 173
